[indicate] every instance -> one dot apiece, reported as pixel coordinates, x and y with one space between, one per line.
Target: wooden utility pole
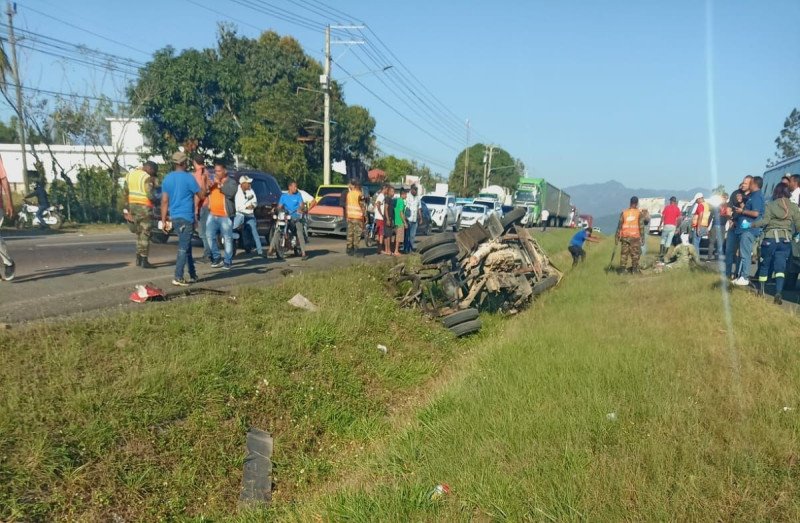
466 163
326 87
12 40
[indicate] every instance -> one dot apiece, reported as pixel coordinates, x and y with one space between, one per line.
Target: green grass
143 416
613 398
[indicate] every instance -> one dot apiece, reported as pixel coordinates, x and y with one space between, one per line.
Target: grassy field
613 398
143 416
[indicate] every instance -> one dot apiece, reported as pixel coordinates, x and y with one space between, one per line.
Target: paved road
65 274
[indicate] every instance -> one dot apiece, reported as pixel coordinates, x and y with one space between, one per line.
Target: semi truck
537 194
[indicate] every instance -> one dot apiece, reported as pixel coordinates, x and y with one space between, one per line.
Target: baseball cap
697 196
179 157
245 179
673 199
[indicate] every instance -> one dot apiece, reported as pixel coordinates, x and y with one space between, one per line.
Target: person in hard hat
139 213
701 217
630 232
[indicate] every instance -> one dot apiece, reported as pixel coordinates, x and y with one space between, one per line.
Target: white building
126 139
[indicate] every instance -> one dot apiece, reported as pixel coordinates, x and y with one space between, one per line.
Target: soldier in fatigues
683 256
630 232
139 194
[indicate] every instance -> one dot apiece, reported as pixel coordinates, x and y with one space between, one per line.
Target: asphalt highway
73 273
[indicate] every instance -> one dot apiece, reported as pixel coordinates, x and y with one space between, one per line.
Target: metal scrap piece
257 476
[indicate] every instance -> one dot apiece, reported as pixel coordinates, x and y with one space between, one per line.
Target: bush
95 197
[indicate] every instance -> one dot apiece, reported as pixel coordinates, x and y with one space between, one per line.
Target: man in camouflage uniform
139 214
683 256
630 232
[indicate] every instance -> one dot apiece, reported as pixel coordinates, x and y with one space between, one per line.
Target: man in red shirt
669 222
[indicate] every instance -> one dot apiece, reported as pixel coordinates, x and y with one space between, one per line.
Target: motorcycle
286 229
28 218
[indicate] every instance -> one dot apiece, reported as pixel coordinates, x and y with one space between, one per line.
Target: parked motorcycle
28 218
286 229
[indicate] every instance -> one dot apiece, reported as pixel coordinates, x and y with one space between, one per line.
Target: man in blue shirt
291 203
576 244
180 195
753 210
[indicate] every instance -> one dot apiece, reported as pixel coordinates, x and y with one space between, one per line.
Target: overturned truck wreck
495 267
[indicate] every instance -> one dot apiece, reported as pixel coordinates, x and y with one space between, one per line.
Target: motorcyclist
291 203
42 201
6 211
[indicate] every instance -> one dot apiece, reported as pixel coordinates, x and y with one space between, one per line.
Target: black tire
440 253
444 224
512 217
545 284
435 240
468 327
456 318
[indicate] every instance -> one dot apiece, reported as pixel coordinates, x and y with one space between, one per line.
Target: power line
73 95
220 13
414 154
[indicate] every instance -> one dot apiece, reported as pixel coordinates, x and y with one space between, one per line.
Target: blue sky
581 91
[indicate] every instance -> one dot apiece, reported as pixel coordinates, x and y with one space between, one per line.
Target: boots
141 261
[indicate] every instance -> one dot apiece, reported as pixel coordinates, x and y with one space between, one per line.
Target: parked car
444 211
324 190
268 192
493 206
327 216
472 214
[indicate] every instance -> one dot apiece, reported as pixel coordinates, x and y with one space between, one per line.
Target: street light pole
466 162
326 86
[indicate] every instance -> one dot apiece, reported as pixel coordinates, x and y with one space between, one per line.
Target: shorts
379 227
388 230
400 231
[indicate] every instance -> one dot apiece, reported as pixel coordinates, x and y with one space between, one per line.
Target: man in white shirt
544 218
794 186
380 220
413 209
246 203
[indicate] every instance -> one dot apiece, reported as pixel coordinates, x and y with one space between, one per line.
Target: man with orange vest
139 195
355 212
630 232
700 220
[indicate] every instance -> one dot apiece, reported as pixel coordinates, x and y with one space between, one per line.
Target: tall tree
788 141
505 170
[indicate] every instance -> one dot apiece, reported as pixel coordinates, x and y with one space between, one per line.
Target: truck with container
536 194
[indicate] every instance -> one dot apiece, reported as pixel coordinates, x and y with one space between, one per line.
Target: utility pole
12 40
466 162
487 171
326 87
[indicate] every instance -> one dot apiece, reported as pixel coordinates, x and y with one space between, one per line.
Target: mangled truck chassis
495 267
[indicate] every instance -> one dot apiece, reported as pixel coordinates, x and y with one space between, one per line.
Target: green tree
505 170
788 141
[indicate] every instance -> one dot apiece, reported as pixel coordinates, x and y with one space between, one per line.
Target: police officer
139 194
630 232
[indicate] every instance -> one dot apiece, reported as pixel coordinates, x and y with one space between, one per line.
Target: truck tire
513 217
440 253
435 240
456 318
468 327
545 284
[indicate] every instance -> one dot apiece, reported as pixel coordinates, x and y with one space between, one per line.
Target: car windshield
525 196
474 208
488 205
322 191
434 200
331 200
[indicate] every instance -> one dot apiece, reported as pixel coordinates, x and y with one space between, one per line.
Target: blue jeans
184 229
220 225
248 220
697 235
775 253
746 241
731 244
411 234
201 231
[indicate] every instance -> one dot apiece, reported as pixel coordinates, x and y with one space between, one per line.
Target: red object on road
147 292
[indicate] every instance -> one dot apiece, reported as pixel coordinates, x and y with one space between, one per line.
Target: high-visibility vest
137 188
702 218
354 211
630 224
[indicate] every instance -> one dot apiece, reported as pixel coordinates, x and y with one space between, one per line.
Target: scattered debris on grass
383 349
147 292
257 475
301 302
439 491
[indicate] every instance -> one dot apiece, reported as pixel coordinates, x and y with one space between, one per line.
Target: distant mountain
602 200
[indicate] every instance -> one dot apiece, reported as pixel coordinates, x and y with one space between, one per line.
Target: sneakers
180 283
226 267
193 279
741 281
217 264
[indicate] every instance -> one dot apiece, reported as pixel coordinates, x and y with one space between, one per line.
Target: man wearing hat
701 217
669 222
180 196
245 206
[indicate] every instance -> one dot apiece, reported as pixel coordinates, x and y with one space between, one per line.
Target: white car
444 211
655 223
472 214
493 206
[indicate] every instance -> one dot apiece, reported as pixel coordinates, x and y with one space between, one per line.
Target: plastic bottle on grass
439 491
